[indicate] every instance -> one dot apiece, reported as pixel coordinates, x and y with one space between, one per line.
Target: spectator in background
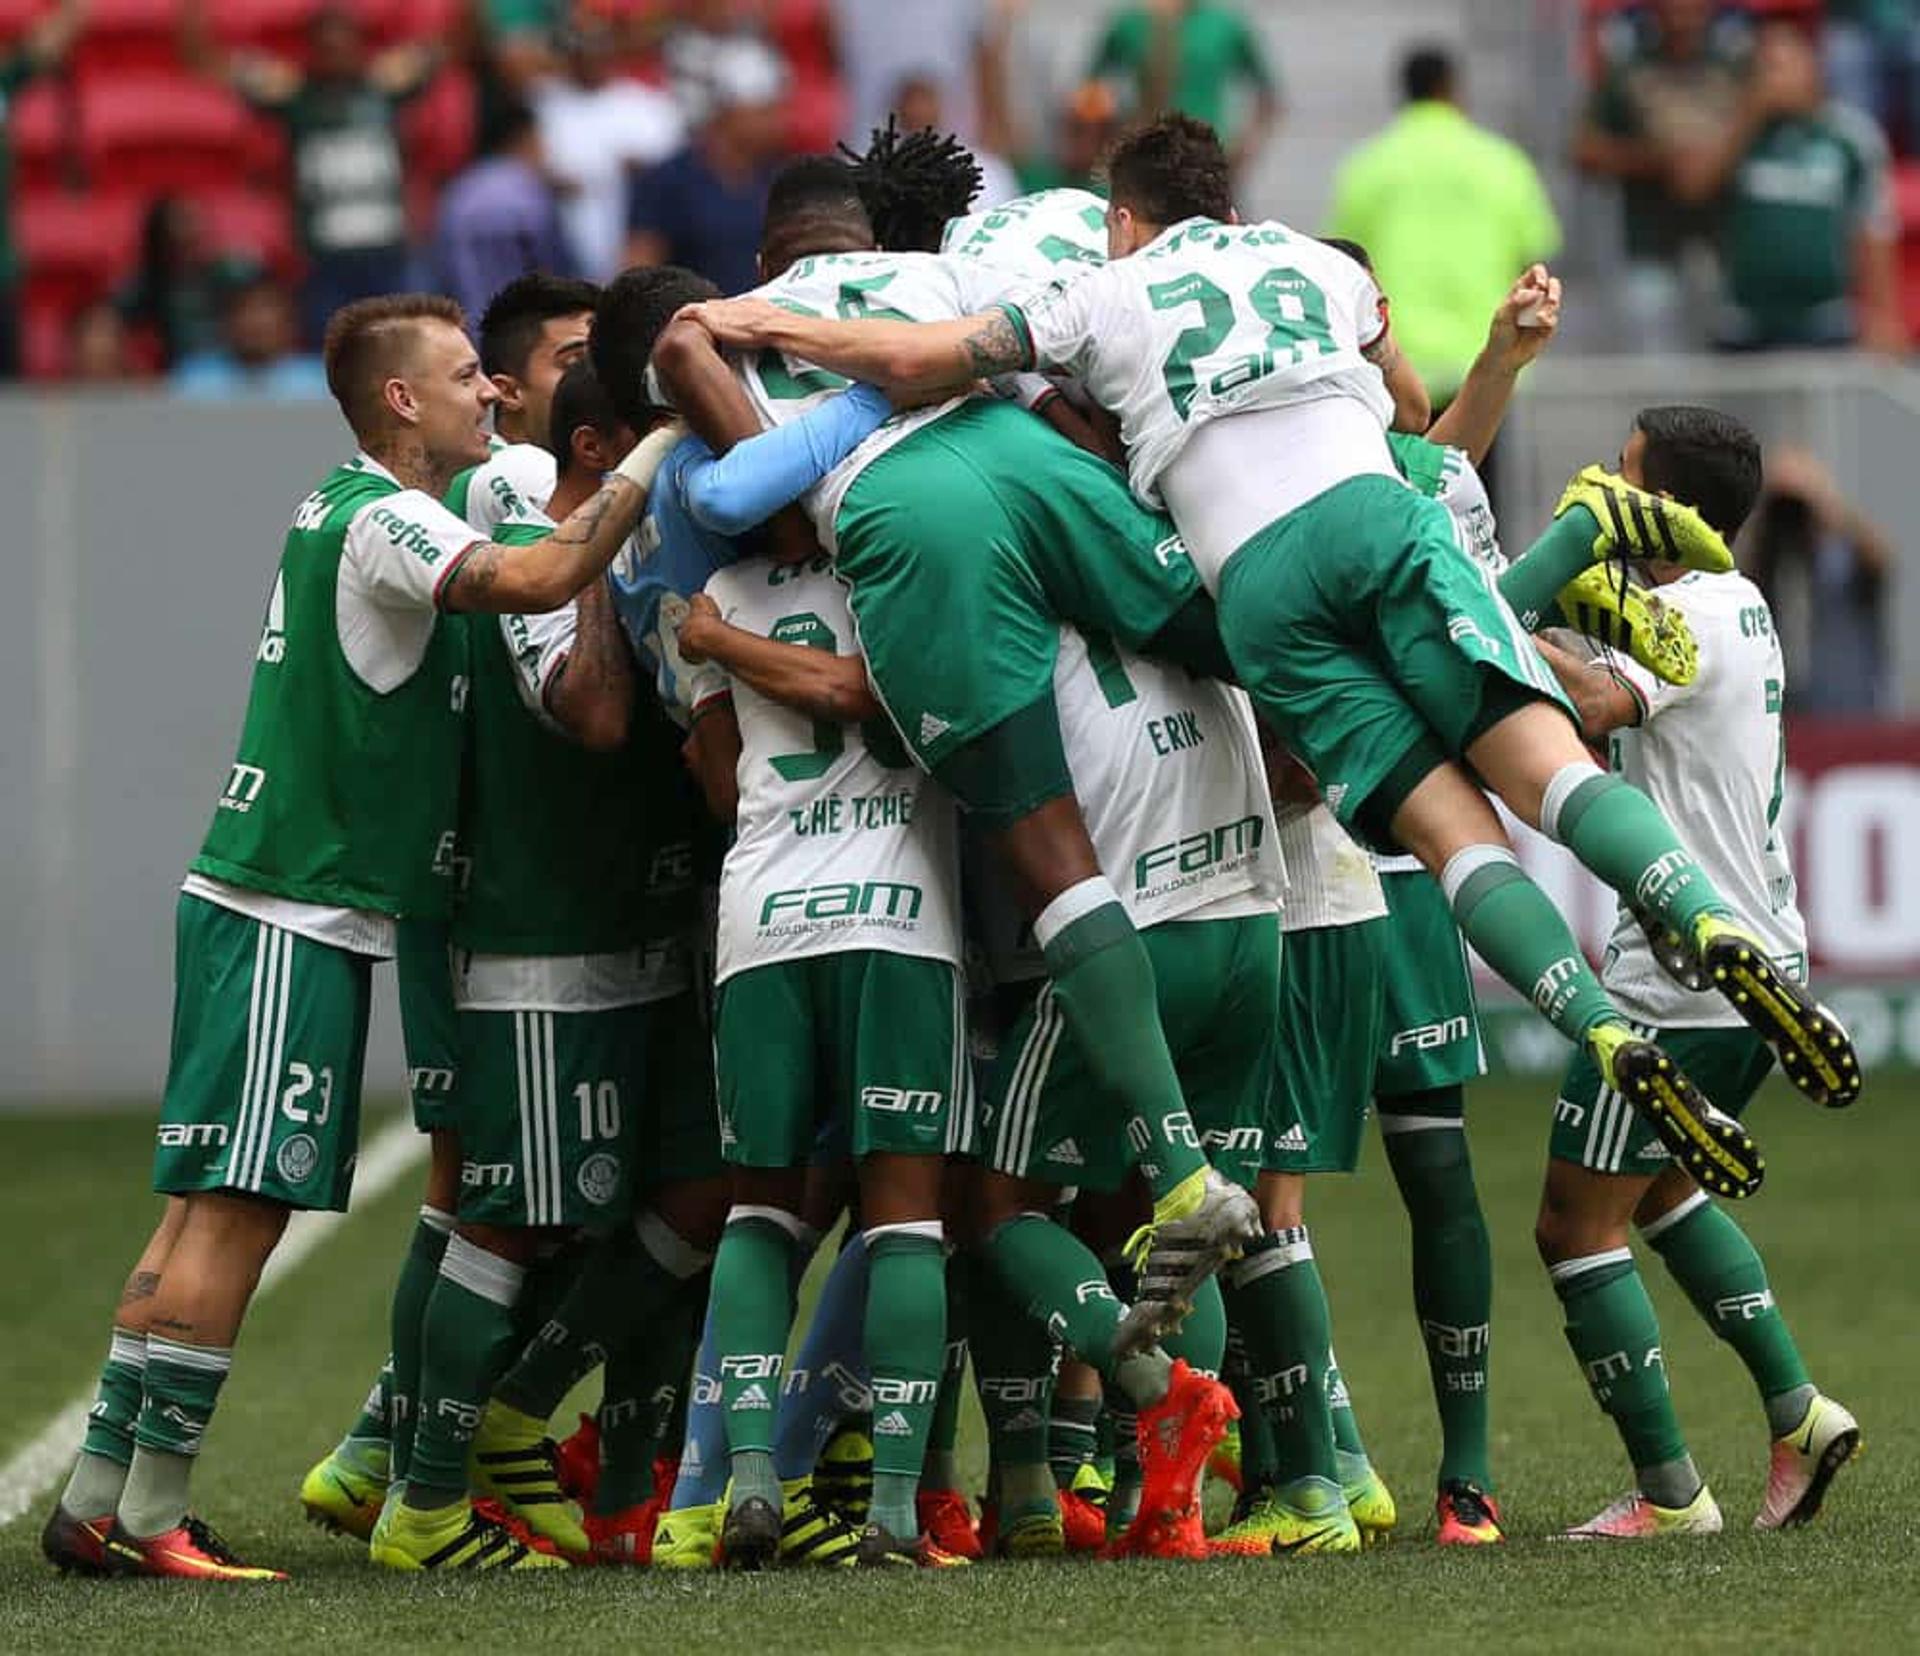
1806 210
952 43
597 129
1192 55
1671 86
350 210
702 207
259 354
177 289
917 108
1873 61
1084 129
1823 567
44 46
1451 214
98 349
498 218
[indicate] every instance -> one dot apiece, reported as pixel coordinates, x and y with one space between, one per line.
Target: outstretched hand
1527 319
746 321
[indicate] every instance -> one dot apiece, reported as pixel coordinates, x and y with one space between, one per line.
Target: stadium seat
437 133
276 26
256 223
42 130
152 133
73 247
128 37
1906 201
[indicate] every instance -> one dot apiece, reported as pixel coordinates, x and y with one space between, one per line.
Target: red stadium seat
276 26
437 133
128 36
254 223
41 126
73 247
154 133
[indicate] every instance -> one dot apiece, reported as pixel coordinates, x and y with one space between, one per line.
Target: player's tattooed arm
591 693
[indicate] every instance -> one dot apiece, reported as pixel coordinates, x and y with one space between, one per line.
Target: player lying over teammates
996 624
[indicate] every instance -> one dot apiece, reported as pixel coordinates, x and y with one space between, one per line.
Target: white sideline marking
33 1470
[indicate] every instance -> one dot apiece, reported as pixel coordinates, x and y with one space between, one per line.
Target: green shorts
968 544
429 1025
1373 645
863 1044
263 1083
1328 1048
566 1116
1595 1128
1432 1034
1218 984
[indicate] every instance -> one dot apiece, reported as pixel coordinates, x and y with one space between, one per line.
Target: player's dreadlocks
912 183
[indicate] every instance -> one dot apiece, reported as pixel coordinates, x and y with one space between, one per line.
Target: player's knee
244 1228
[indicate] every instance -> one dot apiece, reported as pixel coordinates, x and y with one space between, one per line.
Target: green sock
1522 936
466 1339
418 1273
1616 1341
1013 1363
1259 1467
371 1427
941 1470
1711 1258
1621 836
1347 1442
1276 1300
614 1292
1452 1279
906 1340
93 1491
1073 1436
645 1377
1103 986
182 1386
752 1315
1202 1337
1532 582
1053 1276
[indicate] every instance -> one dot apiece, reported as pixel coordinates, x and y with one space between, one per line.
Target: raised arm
774 468
1412 408
1522 328
815 682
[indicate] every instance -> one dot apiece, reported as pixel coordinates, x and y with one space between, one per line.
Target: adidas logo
1066 1154
1294 1138
754 1397
892 1425
1027 1420
932 728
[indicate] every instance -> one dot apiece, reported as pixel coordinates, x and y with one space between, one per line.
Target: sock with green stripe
468 1338
1349 1448
1710 1256
1616 1340
941 1469
906 1350
1532 582
1276 1300
1013 1367
1622 837
418 1273
371 1427
1103 984
1452 1275
1522 936
182 1385
93 1491
752 1314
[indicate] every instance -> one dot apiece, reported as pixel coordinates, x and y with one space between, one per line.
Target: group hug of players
989 738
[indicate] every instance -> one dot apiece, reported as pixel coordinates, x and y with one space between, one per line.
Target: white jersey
914 287
511 479
1211 320
841 843
1044 237
1168 773
1330 879
1712 755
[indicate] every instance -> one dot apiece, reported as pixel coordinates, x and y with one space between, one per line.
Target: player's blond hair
368 342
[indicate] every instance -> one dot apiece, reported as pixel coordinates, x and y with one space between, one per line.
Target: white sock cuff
930 1229
1463 865
1292 1246
1391 1124
671 1251
1567 1269
437 1219
480 1272
1674 1215
207 1359
1076 902
1560 790
791 1223
130 1349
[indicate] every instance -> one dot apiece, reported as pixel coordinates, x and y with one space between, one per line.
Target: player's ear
397 395
513 397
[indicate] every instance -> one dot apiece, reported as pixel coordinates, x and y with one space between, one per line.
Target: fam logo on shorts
599 1178
297 1158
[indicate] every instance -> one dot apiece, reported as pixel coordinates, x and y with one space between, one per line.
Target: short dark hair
579 399
810 195
1426 73
1172 169
912 183
1705 458
367 342
1352 249
634 309
510 325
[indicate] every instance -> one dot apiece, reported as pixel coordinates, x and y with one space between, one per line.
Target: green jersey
344 789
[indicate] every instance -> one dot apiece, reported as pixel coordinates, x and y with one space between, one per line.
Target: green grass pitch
1837 1222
